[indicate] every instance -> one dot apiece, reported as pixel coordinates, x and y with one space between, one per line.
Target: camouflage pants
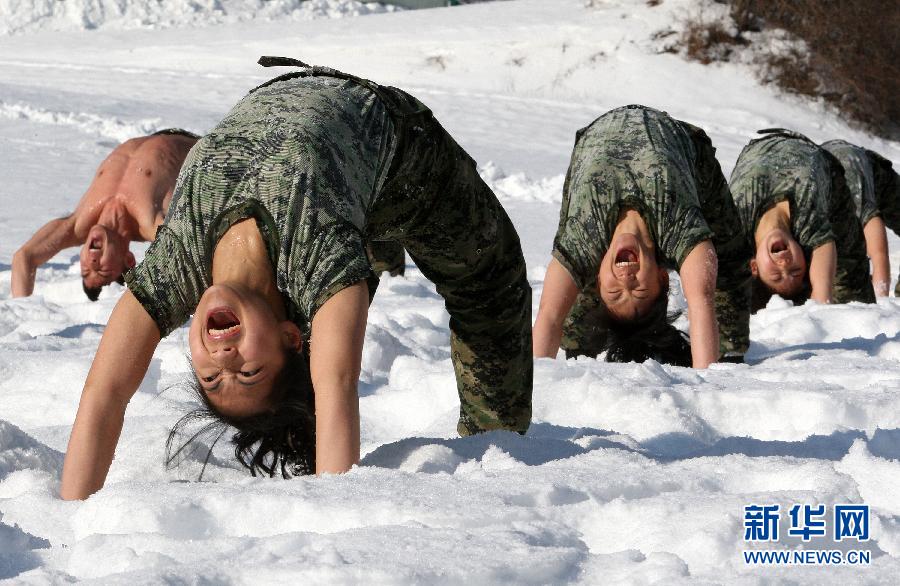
436 206
852 281
584 333
386 256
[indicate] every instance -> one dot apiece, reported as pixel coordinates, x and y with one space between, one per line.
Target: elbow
21 259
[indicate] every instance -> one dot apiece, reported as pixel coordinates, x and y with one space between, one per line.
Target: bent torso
135 183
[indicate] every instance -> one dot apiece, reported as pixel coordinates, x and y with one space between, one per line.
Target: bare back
135 182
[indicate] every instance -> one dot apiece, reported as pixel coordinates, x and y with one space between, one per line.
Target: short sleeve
166 282
811 218
573 249
321 267
690 230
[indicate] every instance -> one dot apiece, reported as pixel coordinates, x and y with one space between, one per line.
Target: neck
241 260
115 217
778 217
631 222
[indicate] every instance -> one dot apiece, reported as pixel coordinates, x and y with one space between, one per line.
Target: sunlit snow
634 473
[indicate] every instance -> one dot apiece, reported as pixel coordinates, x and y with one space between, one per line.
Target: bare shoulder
166 143
162 153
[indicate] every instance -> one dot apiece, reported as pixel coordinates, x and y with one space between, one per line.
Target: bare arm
877 250
338 330
822 269
46 242
698 280
557 299
119 366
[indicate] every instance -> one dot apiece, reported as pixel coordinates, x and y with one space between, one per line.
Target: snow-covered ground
631 473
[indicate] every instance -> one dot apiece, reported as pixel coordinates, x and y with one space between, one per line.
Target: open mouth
626 258
778 248
222 323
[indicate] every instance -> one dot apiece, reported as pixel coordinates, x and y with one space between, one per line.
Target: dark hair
280 439
93 293
760 293
651 335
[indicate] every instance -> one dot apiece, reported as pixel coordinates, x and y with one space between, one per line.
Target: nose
226 356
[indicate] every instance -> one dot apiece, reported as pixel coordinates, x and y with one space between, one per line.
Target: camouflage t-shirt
859 175
779 166
305 157
631 157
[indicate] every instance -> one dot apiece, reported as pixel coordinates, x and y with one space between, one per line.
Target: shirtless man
126 201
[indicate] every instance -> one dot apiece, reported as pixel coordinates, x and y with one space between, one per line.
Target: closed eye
206 380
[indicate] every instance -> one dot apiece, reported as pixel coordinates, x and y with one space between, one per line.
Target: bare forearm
822 269
877 250
46 242
23 272
698 279
91 447
119 366
704 332
557 299
546 336
338 331
337 428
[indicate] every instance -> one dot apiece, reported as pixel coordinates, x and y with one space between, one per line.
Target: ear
663 277
129 259
754 268
290 335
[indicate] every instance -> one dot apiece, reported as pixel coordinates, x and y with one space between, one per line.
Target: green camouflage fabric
327 163
666 169
584 331
887 190
785 165
387 256
872 180
859 175
887 194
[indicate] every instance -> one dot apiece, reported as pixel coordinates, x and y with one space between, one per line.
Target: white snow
631 473
25 16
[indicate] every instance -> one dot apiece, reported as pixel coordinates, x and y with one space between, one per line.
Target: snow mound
105 126
16 550
520 187
19 451
24 16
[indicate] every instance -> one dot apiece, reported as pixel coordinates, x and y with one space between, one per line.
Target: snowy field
631 473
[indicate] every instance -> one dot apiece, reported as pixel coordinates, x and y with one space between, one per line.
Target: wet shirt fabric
302 156
666 169
786 166
859 175
631 157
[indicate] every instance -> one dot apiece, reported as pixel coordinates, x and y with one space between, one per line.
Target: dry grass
708 41
852 56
